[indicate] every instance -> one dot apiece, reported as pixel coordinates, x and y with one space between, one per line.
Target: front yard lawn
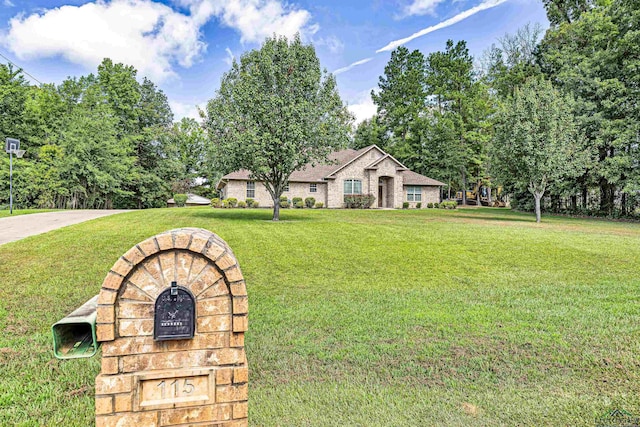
472 317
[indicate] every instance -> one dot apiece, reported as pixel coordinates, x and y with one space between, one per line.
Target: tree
370 132
595 58
275 112
14 90
536 142
568 11
402 95
186 150
459 101
513 61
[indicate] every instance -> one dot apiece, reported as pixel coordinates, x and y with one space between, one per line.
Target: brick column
144 382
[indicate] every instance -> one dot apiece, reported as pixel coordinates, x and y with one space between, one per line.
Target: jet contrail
355 64
444 24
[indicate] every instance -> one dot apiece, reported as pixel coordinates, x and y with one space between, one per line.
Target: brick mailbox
171 318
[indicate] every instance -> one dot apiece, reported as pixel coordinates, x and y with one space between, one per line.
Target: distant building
192 200
366 171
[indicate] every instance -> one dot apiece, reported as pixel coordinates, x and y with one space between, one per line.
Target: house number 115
175 389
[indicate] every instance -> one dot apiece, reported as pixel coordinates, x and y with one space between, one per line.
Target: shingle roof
375 163
412 178
311 173
339 159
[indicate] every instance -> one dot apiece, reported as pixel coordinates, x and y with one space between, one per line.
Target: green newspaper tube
75 335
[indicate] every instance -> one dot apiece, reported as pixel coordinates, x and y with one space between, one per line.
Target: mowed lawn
475 317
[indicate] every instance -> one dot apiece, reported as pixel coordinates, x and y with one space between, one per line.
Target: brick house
366 171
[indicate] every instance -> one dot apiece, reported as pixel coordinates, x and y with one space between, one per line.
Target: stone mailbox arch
199 380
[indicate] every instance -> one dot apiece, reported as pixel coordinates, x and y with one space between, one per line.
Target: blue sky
185 46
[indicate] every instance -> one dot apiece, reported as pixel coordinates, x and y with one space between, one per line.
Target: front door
380 194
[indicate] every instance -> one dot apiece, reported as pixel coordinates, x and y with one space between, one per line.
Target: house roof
338 160
311 173
412 178
376 162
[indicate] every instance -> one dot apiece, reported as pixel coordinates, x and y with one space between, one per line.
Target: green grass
474 317
6 212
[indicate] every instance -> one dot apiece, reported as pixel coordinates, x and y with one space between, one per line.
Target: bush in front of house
430 205
297 201
255 204
419 205
242 204
180 200
309 202
216 203
249 202
450 204
226 204
359 201
284 202
319 205
233 202
405 205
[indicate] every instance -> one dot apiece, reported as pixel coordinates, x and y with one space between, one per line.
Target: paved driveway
18 227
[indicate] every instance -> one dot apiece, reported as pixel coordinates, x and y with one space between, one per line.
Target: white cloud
147 34
229 58
181 110
254 19
8 3
420 7
363 107
332 43
487 4
350 66
150 36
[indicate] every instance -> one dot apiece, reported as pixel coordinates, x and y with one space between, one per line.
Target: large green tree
596 58
401 98
276 111
460 102
536 142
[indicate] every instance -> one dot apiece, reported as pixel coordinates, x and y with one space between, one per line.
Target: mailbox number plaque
174 314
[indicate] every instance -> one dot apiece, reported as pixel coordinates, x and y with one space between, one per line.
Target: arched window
352 186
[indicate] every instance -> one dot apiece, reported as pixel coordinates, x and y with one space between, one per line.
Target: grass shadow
249 215
496 218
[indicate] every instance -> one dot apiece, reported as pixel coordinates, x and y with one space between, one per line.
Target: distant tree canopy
99 141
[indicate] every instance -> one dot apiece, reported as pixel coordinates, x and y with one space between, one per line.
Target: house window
414 194
313 188
251 189
286 187
352 186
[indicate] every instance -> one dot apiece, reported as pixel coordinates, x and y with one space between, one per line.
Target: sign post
12 146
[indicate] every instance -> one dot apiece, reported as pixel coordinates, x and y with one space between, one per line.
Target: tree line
552 120
104 140
554 116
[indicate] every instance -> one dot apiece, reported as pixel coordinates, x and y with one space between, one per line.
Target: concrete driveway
18 227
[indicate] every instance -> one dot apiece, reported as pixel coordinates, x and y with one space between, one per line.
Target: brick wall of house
355 170
430 194
238 189
144 382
